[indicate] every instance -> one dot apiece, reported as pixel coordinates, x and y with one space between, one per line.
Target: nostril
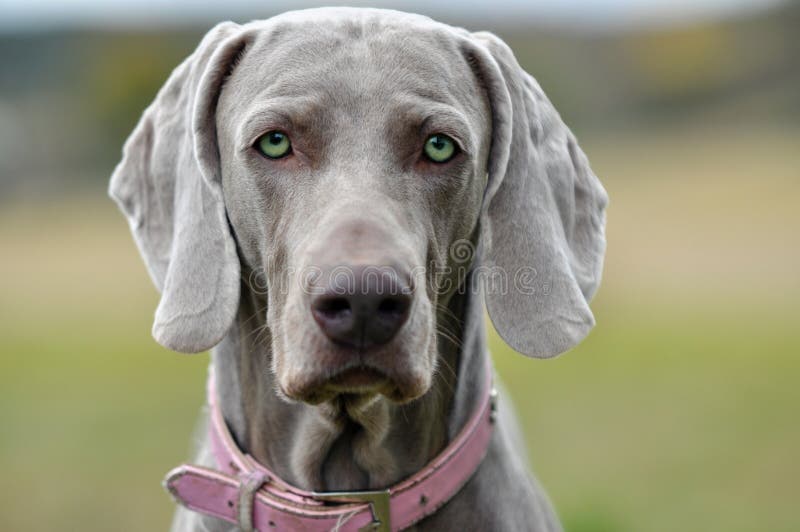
332 306
336 318
392 306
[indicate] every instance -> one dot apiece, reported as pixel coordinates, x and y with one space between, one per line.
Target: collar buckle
378 505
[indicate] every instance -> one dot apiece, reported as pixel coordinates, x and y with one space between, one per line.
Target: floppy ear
168 185
543 218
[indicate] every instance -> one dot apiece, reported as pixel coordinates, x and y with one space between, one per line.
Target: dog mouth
355 381
360 379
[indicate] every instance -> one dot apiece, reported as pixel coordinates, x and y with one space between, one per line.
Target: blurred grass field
679 412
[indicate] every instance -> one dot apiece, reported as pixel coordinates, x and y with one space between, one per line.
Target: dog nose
361 307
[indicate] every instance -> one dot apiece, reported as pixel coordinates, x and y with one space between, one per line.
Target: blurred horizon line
587 16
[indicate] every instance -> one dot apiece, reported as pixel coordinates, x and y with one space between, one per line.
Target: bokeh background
679 412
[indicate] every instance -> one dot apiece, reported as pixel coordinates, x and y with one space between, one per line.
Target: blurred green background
679 412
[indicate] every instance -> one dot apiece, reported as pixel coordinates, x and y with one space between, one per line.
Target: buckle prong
378 504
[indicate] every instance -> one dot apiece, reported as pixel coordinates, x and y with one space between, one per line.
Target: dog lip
360 380
357 379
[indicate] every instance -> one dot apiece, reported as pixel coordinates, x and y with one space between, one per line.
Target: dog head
347 163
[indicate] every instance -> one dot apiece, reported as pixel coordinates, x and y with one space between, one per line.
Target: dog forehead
353 54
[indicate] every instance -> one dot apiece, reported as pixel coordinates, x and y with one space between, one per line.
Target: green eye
440 148
274 144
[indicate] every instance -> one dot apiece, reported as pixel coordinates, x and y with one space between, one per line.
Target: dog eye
440 148
274 144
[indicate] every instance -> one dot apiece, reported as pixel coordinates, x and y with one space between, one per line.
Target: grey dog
285 149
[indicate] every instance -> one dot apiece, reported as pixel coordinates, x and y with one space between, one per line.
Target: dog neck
351 443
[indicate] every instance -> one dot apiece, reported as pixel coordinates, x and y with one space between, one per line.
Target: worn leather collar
244 492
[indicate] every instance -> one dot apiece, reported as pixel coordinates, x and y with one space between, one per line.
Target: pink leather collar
246 493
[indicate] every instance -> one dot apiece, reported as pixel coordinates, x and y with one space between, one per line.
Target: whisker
448 366
448 335
449 314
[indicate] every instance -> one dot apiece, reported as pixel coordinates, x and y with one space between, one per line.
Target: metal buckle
378 504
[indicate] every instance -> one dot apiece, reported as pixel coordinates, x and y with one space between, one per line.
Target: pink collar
248 494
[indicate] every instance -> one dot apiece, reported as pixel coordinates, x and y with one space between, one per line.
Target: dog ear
168 186
543 217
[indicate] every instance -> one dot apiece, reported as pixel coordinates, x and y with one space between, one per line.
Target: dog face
332 158
350 210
